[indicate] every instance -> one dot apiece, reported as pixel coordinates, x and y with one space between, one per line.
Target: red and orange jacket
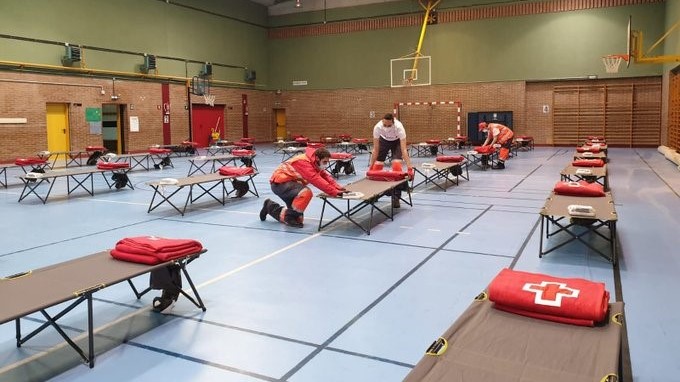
302 169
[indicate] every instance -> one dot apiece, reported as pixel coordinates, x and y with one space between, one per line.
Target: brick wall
314 114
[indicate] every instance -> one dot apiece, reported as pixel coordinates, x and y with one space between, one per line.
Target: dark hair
321 153
388 117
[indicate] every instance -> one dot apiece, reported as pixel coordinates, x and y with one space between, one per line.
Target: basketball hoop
613 61
209 99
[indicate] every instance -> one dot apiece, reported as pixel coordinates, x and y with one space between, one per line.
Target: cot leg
90 330
198 302
18 336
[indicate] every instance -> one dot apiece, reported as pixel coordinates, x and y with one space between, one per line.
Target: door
57 127
111 127
474 135
206 120
281 132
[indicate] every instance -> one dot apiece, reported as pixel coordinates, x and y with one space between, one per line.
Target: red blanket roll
154 249
586 149
580 188
566 300
242 152
386 176
29 161
112 165
450 158
235 171
155 150
484 149
588 163
341 156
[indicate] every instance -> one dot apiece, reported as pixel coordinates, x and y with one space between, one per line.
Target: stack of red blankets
588 163
235 171
29 161
450 158
112 165
588 149
565 300
153 249
242 152
341 156
484 150
580 188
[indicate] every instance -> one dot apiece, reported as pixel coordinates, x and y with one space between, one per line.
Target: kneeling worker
289 181
501 134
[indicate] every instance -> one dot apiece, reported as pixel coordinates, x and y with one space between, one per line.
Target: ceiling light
298 3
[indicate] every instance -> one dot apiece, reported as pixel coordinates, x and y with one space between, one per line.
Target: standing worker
498 134
389 136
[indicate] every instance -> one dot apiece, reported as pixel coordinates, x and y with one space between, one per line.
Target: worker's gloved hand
411 172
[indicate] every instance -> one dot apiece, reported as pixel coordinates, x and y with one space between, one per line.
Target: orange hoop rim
624 57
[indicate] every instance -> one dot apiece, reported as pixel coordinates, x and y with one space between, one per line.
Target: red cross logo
550 293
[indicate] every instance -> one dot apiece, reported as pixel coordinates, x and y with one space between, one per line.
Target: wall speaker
71 55
250 75
206 70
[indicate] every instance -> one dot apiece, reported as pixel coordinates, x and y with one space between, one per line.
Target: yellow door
57 127
281 132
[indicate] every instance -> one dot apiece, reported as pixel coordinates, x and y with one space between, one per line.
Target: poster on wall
95 128
134 124
93 114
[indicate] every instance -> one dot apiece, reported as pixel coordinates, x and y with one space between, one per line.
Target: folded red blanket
155 150
580 188
387 176
450 158
484 149
242 153
566 300
433 141
29 161
112 165
190 143
155 249
235 171
95 148
586 149
588 163
360 140
341 156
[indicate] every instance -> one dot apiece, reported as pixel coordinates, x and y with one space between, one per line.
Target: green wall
232 33
672 42
538 47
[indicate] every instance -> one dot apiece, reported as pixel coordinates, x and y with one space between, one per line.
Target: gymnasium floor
288 304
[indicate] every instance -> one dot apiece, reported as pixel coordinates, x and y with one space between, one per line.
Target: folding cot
481 160
71 158
425 149
133 160
363 193
590 155
338 158
347 147
74 282
490 345
199 163
36 164
78 175
590 174
199 181
291 151
525 142
434 171
216 150
599 212
281 144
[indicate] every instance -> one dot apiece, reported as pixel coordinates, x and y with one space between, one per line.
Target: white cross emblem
550 293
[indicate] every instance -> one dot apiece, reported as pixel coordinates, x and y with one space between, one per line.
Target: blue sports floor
287 304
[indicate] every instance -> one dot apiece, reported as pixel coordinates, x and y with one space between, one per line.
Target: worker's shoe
395 202
265 209
293 222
